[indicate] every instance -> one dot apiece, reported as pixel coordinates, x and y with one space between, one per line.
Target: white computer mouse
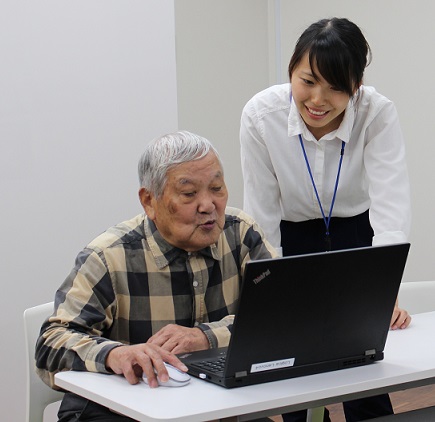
177 378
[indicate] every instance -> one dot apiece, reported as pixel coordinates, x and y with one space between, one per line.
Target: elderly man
162 283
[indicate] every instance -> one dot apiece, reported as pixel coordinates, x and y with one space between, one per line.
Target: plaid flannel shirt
129 282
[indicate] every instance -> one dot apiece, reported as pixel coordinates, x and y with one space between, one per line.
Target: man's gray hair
167 151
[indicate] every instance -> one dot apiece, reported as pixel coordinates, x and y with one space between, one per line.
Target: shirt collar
164 253
296 125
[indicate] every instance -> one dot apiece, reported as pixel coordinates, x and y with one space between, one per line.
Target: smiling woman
326 70
325 111
323 161
320 104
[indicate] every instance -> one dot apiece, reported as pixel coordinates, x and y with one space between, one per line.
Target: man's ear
146 199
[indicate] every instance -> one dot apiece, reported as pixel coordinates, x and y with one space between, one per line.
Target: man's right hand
136 360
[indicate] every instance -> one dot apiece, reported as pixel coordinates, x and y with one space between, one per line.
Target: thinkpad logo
261 276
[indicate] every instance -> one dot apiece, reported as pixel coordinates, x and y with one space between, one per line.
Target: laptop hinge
370 352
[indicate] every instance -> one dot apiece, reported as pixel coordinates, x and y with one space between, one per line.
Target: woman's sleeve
261 197
385 162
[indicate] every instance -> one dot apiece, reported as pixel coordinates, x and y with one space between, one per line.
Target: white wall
84 85
220 79
222 60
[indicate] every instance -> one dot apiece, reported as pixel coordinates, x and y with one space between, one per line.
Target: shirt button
195 284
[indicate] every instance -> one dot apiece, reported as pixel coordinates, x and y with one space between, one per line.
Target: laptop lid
307 314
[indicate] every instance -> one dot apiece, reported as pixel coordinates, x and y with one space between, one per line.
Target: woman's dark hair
338 48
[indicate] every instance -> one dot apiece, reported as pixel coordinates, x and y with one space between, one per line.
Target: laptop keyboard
211 365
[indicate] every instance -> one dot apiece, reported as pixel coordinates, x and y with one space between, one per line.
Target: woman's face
320 105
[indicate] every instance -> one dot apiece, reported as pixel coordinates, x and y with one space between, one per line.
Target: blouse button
195 284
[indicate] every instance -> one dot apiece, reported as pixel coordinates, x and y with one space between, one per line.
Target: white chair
417 296
39 395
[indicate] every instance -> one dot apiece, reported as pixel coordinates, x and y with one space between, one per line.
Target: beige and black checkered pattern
129 282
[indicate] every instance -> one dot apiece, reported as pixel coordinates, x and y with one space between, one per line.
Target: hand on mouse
177 378
142 359
178 339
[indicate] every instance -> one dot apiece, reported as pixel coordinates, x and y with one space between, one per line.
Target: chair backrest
39 395
417 296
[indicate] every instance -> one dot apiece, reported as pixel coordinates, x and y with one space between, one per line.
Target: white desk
409 362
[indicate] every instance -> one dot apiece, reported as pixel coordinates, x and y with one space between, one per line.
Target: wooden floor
403 401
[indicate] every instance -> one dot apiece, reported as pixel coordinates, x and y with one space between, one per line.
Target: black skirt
310 236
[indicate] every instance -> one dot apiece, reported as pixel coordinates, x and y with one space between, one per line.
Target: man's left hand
179 339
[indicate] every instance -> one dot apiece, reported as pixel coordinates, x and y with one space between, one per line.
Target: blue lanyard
326 220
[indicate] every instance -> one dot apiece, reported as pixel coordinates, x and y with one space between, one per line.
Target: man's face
191 212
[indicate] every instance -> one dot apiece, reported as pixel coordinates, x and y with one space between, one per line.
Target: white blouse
277 185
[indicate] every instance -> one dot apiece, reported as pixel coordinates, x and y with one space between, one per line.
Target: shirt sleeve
261 189
218 333
74 337
386 169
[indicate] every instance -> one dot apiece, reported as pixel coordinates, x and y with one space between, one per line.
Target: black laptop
307 314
